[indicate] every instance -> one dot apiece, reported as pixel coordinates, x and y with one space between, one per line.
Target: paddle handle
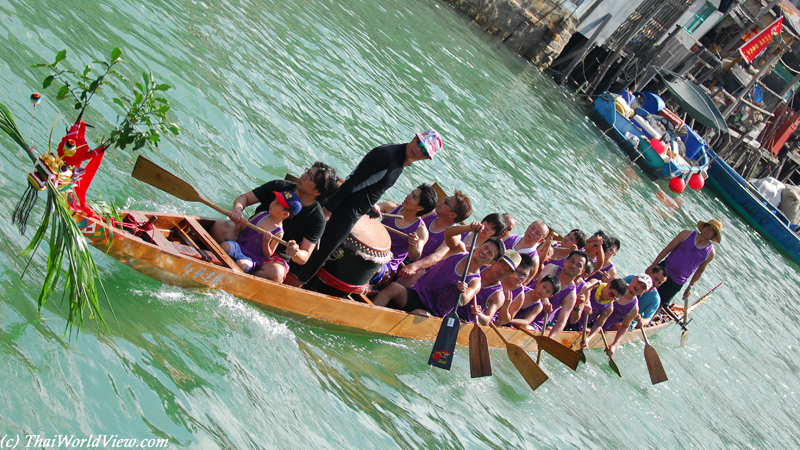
392 230
392 216
494 327
603 335
645 337
248 224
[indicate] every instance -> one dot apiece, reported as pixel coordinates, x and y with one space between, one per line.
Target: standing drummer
362 189
301 232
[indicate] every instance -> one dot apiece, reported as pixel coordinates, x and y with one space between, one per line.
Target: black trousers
668 290
337 229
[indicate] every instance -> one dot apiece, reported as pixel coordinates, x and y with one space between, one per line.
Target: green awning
696 103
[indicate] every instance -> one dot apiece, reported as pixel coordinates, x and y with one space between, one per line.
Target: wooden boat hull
168 262
733 189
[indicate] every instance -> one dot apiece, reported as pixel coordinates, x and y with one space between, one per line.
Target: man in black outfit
362 189
303 231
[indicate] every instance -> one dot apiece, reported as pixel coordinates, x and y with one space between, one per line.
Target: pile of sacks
786 198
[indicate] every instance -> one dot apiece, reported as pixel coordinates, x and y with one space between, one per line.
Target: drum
351 266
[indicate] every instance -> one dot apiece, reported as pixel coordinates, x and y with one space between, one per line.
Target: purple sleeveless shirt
399 243
685 259
465 311
556 301
619 313
599 274
437 289
434 239
597 307
524 310
512 240
252 242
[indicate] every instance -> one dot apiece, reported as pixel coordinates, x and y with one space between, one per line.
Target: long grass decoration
8 125
82 279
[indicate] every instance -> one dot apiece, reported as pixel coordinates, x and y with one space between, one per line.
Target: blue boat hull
766 219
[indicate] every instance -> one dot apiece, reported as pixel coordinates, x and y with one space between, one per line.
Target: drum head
372 234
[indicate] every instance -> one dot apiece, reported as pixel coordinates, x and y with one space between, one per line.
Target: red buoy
677 185
696 181
658 146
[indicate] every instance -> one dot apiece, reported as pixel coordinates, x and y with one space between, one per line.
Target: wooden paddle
445 344
530 371
569 357
479 363
583 337
611 361
657 374
391 216
685 331
156 176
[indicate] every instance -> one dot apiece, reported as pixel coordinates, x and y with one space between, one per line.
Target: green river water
264 88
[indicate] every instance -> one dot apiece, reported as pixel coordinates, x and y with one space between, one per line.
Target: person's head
587 268
547 287
611 246
524 269
491 250
505 266
711 230
640 284
658 274
457 207
575 262
493 225
319 181
616 288
537 231
286 204
575 237
224 230
423 146
510 224
422 200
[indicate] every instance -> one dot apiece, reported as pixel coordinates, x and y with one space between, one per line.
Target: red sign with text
752 48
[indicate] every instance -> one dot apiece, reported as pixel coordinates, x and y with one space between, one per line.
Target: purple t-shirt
438 289
399 243
434 239
685 259
465 311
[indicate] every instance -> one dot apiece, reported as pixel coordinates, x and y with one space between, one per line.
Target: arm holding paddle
452 236
698 273
563 315
623 329
599 322
416 242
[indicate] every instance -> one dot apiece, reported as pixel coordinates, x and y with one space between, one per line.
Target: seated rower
626 308
491 296
514 285
261 248
650 301
599 306
447 213
436 292
418 203
606 270
510 224
527 243
226 232
574 240
493 226
527 305
557 308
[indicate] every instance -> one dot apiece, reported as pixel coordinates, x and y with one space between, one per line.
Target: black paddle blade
445 345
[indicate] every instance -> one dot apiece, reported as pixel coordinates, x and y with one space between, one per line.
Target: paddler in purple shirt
600 306
689 253
511 223
626 308
514 286
558 307
419 202
489 299
527 243
448 212
527 304
436 292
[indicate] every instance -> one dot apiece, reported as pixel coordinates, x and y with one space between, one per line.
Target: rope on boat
338 284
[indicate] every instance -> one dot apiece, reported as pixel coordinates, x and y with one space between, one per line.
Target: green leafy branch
145 116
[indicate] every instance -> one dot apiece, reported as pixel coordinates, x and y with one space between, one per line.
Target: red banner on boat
752 48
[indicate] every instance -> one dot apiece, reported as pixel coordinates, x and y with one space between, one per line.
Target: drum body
351 266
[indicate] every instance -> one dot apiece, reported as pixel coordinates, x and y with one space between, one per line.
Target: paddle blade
479 363
613 365
445 344
582 355
569 357
684 335
657 374
152 174
530 371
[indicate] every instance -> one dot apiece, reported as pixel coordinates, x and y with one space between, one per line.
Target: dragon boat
177 249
